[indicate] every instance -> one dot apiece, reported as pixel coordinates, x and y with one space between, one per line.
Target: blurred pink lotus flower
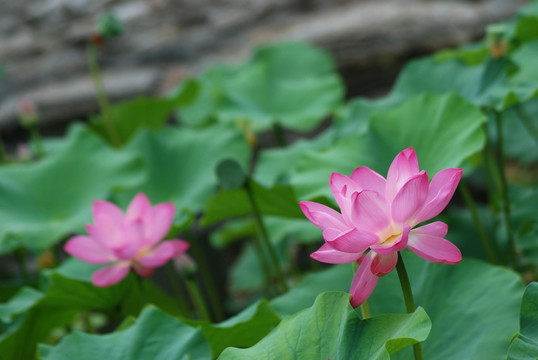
127 240
381 214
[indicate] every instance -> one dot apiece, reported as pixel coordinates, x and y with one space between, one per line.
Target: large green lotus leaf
473 305
155 335
332 329
525 58
527 23
143 112
181 163
525 345
443 130
519 143
275 166
44 201
485 85
24 299
279 229
202 110
63 295
279 200
293 84
70 286
242 330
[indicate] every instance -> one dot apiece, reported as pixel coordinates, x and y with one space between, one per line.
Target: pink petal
404 165
441 190
329 255
138 207
143 271
342 188
370 212
367 179
322 216
364 281
433 248
410 198
161 221
88 250
384 264
110 275
392 245
352 241
437 228
162 253
131 240
100 236
104 210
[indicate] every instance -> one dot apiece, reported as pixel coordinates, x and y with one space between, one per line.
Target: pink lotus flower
127 240
381 214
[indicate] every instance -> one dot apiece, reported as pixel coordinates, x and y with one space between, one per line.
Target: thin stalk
258 247
408 298
365 310
36 137
20 255
512 252
176 288
197 298
486 241
278 132
527 122
208 281
265 239
101 95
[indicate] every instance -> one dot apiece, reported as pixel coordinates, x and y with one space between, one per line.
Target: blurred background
43 44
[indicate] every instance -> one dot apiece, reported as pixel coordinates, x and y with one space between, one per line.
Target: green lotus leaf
154 335
332 329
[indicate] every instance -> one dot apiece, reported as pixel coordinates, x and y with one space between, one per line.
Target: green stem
36 137
176 288
265 239
20 254
504 194
527 122
408 298
208 280
486 241
101 96
279 134
365 310
197 298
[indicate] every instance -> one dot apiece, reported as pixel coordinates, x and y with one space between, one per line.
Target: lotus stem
176 288
101 96
486 241
197 298
408 298
265 239
504 193
365 310
209 284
